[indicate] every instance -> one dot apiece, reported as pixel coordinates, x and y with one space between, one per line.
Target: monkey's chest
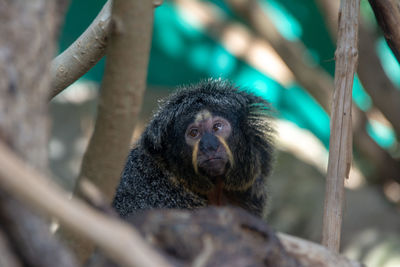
217 196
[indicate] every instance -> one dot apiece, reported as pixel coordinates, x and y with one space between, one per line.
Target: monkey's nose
209 143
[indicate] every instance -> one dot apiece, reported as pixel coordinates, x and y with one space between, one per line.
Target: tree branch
312 254
384 94
387 13
117 239
316 81
340 144
368 147
83 54
29 33
121 95
119 104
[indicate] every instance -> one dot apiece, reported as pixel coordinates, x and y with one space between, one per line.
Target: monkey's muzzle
212 157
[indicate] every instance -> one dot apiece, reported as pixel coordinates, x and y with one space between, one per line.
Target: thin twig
340 146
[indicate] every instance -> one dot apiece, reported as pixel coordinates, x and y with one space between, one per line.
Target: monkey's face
207 135
211 135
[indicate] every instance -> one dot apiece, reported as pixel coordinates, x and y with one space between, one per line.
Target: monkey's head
211 133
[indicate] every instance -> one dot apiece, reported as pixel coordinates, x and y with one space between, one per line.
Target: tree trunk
28 30
120 101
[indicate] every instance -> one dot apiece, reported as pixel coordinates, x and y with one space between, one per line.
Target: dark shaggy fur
159 171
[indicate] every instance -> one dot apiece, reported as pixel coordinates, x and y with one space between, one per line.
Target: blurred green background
182 54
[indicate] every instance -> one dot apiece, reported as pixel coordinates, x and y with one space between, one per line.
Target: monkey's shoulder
145 184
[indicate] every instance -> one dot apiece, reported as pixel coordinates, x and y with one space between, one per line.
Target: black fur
159 171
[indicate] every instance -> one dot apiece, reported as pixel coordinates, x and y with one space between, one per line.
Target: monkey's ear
152 138
156 134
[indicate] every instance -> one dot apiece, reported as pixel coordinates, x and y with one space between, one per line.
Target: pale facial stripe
228 151
194 156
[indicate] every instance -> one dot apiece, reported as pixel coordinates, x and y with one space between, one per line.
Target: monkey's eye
193 133
217 126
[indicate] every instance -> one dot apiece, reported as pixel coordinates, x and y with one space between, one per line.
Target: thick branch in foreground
123 244
117 239
340 144
312 254
225 236
27 44
30 237
387 13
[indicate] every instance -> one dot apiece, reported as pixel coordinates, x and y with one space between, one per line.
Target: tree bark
83 54
121 94
118 240
312 254
387 13
340 145
120 102
385 96
208 243
28 30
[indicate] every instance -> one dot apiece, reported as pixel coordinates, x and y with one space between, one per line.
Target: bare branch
312 254
340 144
316 81
330 11
29 30
121 95
120 102
369 148
118 240
83 54
387 13
30 235
385 96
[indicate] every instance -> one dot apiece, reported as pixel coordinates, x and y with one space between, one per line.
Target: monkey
209 143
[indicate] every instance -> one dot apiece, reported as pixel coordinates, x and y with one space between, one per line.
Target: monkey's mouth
213 166
211 160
